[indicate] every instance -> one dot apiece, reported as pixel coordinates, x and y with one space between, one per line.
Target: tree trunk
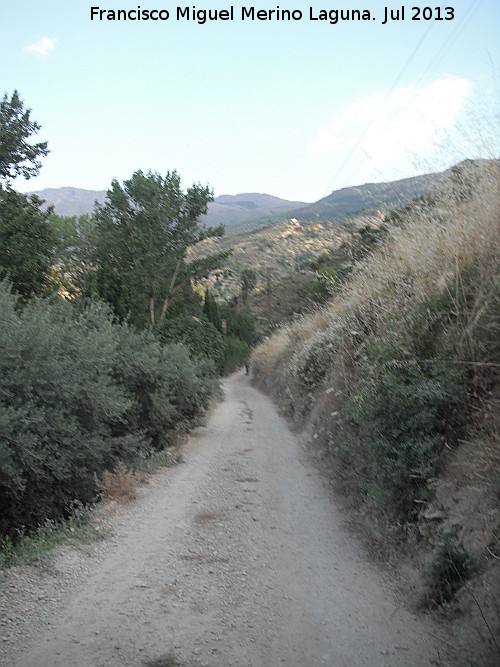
152 310
170 289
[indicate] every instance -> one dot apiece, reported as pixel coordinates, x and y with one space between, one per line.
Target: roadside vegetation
110 349
392 366
397 374
113 343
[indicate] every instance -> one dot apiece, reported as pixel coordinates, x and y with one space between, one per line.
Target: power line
376 114
445 46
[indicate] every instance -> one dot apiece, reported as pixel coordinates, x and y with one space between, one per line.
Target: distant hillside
285 243
233 211
249 209
71 201
244 212
368 198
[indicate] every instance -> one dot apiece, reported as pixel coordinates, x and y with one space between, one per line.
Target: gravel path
236 557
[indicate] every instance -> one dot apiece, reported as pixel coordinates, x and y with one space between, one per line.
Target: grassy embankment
397 378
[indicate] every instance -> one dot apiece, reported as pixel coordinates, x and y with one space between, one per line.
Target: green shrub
236 353
450 569
78 394
407 404
60 411
199 335
241 324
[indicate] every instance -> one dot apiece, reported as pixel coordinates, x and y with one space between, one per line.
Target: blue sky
294 109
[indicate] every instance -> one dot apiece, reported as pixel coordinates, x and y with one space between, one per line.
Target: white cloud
389 132
42 48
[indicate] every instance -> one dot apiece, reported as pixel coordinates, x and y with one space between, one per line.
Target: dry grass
118 486
443 255
208 515
418 260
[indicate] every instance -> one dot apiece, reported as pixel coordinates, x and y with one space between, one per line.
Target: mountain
71 201
368 198
250 209
244 212
285 244
233 211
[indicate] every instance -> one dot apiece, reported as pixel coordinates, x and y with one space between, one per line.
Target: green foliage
211 310
27 243
78 393
30 547
248 283
449 571
116 288
200 337
407 405
74 253
236 353
241 324
144 231
18 157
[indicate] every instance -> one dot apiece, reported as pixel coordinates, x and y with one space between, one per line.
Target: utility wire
376 114
438 56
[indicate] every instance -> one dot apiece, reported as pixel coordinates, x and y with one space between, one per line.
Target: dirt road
237 558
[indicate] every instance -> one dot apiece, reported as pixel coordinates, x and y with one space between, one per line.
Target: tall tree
211 310
18 157
27 242
145 230
74 253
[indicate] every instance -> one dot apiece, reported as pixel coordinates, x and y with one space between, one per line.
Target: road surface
237 557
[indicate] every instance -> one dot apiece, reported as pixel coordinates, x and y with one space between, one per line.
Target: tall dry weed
418 260
416 322
119 486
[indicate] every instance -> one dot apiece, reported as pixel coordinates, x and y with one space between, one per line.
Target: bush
79 393
450 569
405 415
61 414
236 353
199 335
241 324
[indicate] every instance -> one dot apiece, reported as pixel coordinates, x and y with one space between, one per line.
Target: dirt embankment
238 557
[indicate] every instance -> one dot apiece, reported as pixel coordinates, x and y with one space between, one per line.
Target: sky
294 108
